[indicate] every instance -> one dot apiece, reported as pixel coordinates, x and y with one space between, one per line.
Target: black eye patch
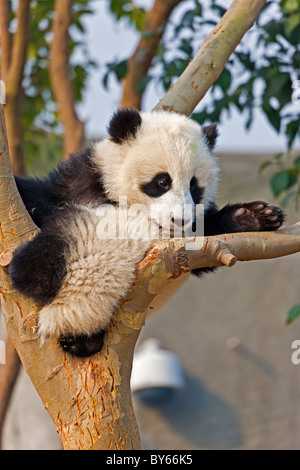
196 191
158 186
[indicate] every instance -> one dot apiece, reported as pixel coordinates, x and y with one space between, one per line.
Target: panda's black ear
211 134
124 125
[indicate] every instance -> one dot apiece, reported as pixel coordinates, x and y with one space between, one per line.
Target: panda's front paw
82 345
258 216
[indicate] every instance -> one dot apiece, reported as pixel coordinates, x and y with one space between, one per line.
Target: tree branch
8 376
61 82
5 37
140 62
15 58
211 58
19 50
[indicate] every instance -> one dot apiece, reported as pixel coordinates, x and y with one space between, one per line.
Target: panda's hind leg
38 268
83 345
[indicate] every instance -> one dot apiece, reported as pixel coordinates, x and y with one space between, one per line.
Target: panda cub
153 160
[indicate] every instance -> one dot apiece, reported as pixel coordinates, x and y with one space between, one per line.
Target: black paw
82 346
257 216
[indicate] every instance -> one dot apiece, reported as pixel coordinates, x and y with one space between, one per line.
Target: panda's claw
258 216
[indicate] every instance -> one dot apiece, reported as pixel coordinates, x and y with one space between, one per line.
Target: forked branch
211 58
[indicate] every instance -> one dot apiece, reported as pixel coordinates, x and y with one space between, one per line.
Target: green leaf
224 80
143 84
265 165
290 5
186 48
292 130
188 19
293 313
284 202
297 162
272 114
291 23
282 181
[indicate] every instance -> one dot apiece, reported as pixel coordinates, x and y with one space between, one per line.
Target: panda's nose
181 222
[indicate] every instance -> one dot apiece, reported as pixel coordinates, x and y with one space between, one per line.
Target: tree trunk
61 82
139 64
14 53
13 116
13 58
8 376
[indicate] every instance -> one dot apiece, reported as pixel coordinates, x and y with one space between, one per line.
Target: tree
35 87
13 58
89 400
43 85
60 77
138 65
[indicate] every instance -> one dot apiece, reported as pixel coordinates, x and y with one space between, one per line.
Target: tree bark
61 82
5 37
13 57
211 58
8 376
139 64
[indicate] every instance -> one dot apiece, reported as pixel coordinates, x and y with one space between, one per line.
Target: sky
109 40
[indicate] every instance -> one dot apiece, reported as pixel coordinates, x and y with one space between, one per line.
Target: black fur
211 134
39 198
196 191
39 267
83 345
251 218
75 181
124 125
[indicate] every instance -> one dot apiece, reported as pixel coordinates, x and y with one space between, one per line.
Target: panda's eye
162 183
158 186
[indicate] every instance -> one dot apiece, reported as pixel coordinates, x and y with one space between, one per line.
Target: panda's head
159 160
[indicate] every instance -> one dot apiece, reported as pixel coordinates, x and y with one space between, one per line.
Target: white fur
166 142
100 271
